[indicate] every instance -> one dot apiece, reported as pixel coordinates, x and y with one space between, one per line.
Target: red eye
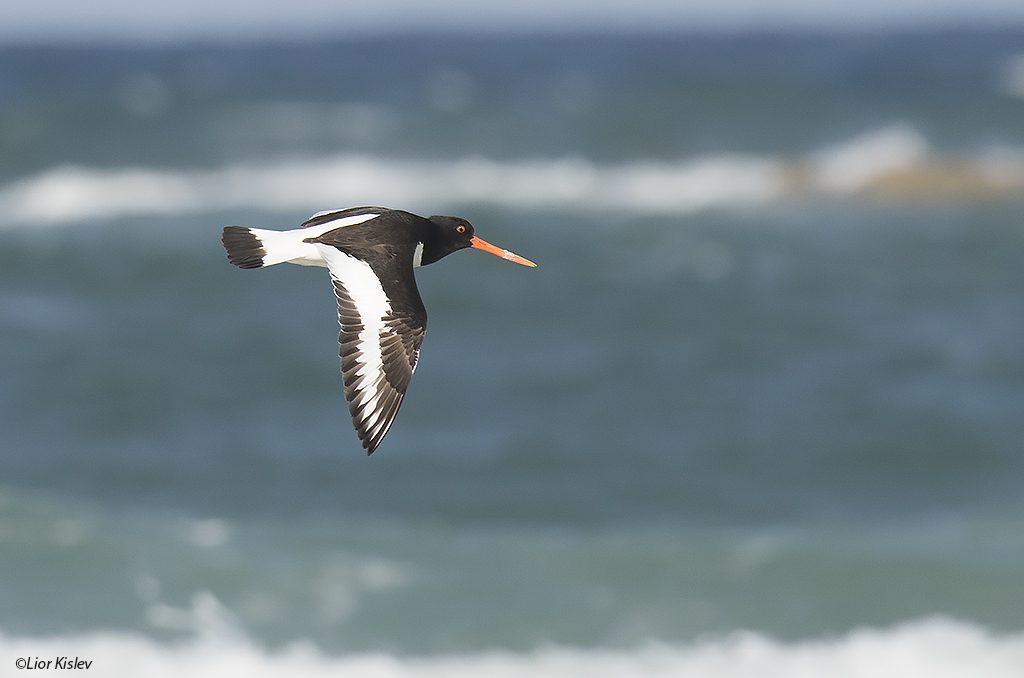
460 228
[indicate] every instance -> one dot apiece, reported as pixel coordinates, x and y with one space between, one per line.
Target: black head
447 235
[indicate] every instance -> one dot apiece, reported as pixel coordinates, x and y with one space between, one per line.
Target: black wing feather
373 413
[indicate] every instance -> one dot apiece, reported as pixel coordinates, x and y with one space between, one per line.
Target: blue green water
797 416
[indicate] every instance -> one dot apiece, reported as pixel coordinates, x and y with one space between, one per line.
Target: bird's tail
244 246
255 247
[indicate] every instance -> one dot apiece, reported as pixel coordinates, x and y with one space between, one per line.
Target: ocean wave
931 648
848 168
66 194
892 163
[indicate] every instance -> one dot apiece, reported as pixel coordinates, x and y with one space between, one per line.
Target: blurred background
761 397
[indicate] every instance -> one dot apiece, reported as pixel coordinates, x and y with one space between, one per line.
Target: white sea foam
933 648
849 167
67 194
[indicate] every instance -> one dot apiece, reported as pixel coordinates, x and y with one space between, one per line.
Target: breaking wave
892 163
933 648
75 193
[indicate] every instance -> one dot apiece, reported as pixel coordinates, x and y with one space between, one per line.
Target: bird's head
454 233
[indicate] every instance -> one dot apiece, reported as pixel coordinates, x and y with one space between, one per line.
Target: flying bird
370 253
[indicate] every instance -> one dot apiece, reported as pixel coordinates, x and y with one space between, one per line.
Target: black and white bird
370 253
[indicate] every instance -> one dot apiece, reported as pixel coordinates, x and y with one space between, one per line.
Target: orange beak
497 251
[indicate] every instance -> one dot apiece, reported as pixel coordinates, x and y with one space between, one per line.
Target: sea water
757 412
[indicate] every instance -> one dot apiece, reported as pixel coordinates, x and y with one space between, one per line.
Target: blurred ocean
758 411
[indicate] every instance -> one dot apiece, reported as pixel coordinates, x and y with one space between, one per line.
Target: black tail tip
244 249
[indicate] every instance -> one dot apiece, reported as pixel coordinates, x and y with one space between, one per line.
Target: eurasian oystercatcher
370 253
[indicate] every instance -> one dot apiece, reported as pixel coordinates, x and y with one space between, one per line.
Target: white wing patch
368 380
351 220
317 231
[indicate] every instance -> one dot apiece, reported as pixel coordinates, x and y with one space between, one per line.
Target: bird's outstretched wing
379 346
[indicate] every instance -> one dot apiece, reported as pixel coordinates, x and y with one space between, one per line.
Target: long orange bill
504 254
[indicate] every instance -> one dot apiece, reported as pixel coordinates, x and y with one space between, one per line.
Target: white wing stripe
371 421
372 304
317 231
